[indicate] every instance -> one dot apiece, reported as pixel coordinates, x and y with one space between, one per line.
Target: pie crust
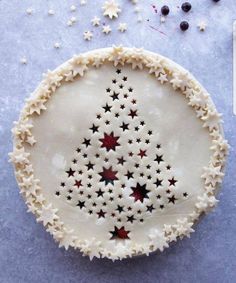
118 152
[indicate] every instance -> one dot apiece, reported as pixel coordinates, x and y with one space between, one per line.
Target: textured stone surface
27 252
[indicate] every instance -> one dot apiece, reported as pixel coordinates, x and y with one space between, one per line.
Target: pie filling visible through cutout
118 152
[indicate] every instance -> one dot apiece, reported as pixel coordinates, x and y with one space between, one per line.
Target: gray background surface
27 252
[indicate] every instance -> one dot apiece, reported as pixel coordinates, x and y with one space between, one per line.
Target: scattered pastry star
29 11
83 2
111 9
51 12
122 27
72 8
57 45
95 21
23 61
88 35
202 26
106 29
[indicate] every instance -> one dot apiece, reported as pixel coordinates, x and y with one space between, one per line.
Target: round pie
118 152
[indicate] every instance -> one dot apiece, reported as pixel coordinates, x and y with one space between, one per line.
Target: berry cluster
186 7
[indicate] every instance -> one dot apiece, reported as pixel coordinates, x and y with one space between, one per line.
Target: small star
81 204
172 181
57 45
117 115
158 183
95 21
158 159
122 27
57 193
121 86
72 8
78 150
172 199
124 126
125 95
133 113
185 194
99 116
101 213
149 133
87 35
133 101
121 160
118 71
129 175
147 141
130 89
115 96
23 61
85 155
86 142
168 167
89 166
114 81
70 172
202 26
120 208
68 197
142 153
99 193
106 29
124 79
150 208
77 183
122 106
108 89
142 123
131 154
94 128
131 219
107 108
74 161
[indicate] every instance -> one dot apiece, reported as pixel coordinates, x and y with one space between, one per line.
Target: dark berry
165 10
186 7
184 25
216 1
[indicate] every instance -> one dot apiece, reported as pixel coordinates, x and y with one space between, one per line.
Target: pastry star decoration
205 201
91 248
156 68
22 129
65 238
80 65
47 214
111 9
157 239
36 106
184 227
88 35
198 99
19 156
220 147
29 186
212 175
95 21
106 29
211 120
122 27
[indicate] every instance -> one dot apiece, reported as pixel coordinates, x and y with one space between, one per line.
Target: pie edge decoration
165 71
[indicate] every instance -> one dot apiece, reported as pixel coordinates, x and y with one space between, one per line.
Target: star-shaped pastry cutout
133 113
109 141
120 233
108 176
139 192
142 153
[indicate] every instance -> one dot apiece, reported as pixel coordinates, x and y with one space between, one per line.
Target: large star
139 192
119 233
108 175
109 141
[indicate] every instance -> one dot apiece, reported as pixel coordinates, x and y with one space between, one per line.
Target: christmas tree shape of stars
118 171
